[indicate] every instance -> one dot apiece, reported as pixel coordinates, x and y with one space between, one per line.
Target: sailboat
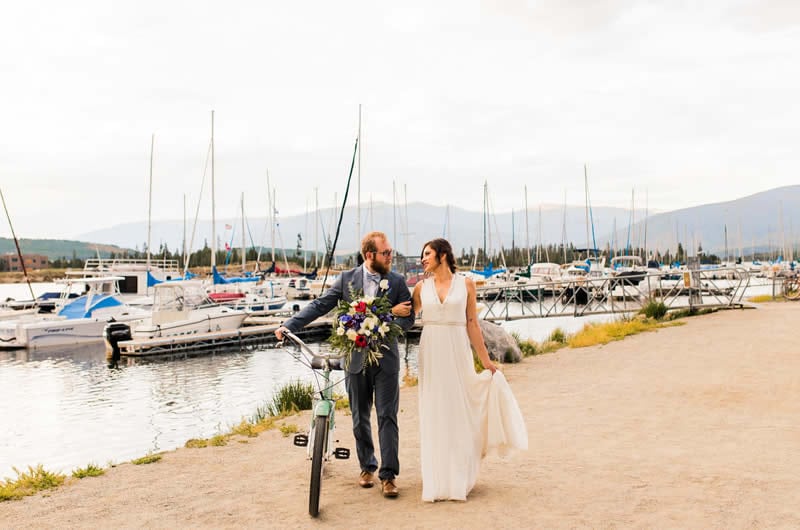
488 269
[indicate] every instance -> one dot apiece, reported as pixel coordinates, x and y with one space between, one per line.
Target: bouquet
365 324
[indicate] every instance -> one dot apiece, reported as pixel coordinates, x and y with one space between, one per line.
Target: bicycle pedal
341 453
301 440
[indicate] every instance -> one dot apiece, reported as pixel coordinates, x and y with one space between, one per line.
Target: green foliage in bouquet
365 324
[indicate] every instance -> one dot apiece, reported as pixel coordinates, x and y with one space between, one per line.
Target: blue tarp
77 308
220 279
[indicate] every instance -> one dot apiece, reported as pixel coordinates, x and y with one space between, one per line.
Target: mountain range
763 221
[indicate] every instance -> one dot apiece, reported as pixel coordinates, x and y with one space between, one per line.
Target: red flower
361 307
361 341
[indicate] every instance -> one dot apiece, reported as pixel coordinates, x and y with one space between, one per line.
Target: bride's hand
403 309
490 366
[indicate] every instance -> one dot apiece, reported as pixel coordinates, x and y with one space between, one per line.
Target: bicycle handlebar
305 349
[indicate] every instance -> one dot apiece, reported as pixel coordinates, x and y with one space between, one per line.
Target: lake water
66 408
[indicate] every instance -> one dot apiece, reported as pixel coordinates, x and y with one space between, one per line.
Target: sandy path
687 427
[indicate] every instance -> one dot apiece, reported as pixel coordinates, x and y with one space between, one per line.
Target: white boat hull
54 332
196 322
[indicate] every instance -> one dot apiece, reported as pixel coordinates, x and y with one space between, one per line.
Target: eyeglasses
386 253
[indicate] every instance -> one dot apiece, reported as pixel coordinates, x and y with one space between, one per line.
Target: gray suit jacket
397 292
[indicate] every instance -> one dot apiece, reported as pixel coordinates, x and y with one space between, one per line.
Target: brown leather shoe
366 479
389 488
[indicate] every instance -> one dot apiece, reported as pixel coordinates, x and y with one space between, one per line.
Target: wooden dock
260 333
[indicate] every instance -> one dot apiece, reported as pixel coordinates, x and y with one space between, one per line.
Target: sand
687 427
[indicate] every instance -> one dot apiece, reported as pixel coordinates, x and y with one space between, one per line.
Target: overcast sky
685 102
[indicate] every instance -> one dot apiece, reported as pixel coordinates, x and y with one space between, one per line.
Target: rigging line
341 216
196 213
19 252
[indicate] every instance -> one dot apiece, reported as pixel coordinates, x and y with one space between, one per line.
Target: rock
500 343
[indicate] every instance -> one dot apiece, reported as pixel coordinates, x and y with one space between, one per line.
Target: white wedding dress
463 415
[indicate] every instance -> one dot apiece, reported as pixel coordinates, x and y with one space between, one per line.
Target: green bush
36 479
558 335
293 396
90 470
654 309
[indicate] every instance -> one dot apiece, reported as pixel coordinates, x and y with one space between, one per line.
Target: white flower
340 330
383 329
351 334
368 300
384 284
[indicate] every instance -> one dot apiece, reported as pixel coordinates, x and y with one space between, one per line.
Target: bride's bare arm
474 329
416 300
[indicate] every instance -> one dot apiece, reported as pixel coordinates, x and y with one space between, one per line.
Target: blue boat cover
77 308
220 279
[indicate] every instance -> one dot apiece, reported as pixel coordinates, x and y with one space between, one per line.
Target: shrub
148 459
528 348
36 479
558 335
89 471
291 397
289 428
654 309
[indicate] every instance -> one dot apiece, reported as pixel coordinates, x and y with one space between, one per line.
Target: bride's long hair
444 252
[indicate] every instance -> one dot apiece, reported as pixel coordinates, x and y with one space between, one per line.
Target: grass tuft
147 459
196 443
289 428
654 309
290 398
218 440
90 470
558 335
592 334
34 480
763 298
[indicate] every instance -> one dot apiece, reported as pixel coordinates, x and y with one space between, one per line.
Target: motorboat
182 307
78 320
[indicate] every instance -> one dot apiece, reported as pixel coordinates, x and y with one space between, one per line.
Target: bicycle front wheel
792 289
317 457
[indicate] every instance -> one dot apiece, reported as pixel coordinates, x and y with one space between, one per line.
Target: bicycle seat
317 363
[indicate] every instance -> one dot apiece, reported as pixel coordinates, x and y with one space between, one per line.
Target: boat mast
150 199
213 206
527 227
586 194
271 200
244 241
394 211
316 227
564 230
358 183
485 220
19 252
405 200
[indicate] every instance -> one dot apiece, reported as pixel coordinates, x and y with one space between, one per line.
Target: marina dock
258 335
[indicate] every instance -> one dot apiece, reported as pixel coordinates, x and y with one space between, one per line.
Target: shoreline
687 426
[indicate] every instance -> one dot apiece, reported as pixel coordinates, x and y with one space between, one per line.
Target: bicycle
320 436
791 287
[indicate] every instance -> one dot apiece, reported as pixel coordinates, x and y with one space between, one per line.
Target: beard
380 268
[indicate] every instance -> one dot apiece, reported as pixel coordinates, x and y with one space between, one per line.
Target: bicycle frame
323 418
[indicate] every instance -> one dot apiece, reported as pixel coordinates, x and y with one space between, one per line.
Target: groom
380 382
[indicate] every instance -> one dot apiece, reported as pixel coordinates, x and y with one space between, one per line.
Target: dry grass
28 483
593 334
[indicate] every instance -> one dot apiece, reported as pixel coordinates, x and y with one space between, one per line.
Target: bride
462 414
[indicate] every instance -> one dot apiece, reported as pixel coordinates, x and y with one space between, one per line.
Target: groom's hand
279 332
403 309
